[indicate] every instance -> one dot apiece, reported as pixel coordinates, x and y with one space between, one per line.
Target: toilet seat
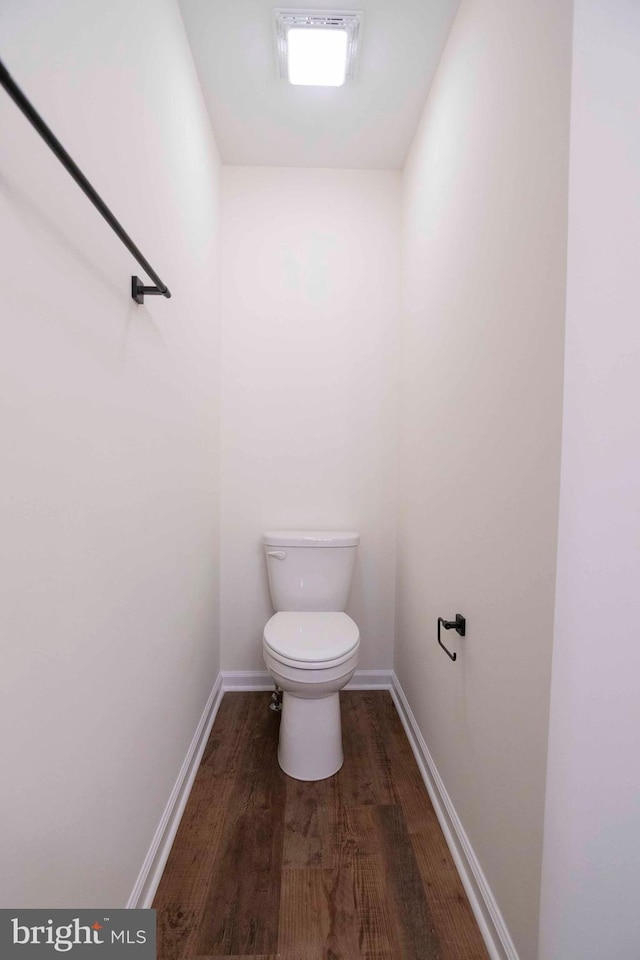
309 640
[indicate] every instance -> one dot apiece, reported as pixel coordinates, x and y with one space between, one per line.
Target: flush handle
278 554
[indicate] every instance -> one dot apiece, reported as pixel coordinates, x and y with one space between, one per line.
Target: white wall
592 830
108 415
481 372
310 298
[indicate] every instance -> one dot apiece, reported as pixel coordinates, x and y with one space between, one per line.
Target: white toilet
310 645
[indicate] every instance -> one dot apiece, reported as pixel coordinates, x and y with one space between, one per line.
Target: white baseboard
371 680
155 861
261 680
246 680
485 908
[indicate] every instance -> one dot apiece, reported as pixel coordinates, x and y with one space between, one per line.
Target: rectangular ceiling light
317 48
317 58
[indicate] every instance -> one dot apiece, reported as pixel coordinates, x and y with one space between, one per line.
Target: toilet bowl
311 647
311 656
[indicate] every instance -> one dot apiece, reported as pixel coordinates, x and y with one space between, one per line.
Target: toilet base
310 746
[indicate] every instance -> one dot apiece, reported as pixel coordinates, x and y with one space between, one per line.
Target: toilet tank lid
310 538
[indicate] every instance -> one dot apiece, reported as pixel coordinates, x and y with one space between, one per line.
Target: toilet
310 645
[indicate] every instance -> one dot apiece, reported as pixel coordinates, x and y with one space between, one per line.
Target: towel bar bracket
139 291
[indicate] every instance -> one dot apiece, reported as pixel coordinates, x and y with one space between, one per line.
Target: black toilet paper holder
459 625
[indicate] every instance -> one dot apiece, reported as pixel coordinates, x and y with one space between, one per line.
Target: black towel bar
138 290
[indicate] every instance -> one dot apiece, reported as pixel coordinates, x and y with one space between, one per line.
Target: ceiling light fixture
317 48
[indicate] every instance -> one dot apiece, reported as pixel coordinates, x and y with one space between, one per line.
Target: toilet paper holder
459 625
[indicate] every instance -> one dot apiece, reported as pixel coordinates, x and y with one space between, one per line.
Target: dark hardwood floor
350 868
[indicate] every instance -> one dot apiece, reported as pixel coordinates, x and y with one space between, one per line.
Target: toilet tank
310 570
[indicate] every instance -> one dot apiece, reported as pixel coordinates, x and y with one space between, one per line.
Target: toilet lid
311 637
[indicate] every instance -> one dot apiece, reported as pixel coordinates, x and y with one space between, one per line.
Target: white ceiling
261 119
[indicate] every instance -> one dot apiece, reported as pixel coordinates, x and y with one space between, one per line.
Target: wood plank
237 956
365 777
437 869
457 930
185 887
451 913
321 917
439 875
310 824
358 836
414 933
372 905
240 914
